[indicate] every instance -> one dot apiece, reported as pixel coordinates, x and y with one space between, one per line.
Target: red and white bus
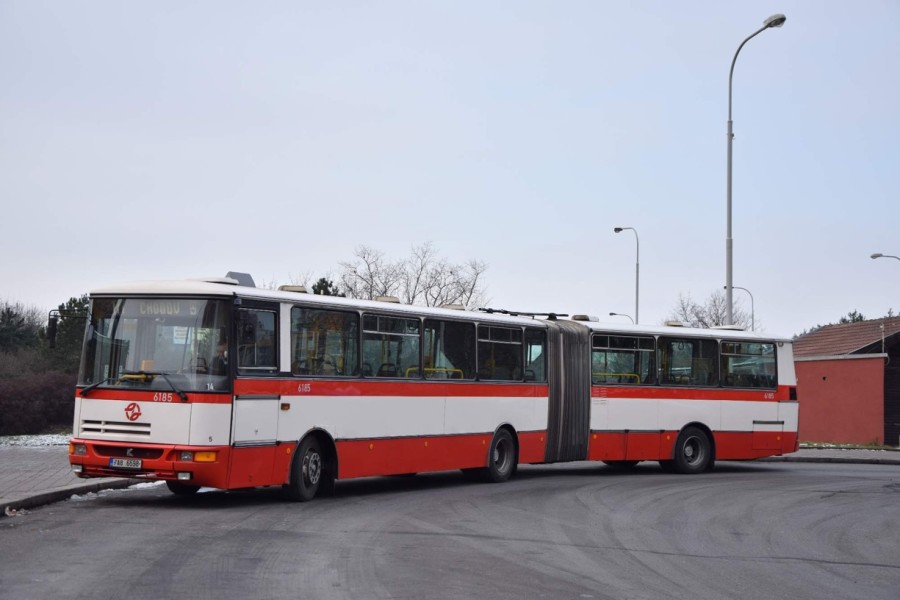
212 383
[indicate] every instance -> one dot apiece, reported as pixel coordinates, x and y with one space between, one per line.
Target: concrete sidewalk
36 475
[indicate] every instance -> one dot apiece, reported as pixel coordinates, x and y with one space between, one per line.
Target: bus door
254 424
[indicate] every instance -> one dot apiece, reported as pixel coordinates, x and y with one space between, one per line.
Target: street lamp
752 310
880 255
637 269
773 21
622 315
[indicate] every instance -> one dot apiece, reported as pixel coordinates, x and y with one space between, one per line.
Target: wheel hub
312 468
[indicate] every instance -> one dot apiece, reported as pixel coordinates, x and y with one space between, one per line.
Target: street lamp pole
637 270
622 315
773 21
880 255
752 309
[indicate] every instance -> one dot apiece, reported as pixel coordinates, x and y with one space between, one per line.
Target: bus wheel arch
694 450
313 467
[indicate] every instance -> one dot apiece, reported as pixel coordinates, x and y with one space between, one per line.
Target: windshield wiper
94 386
174 387
181 394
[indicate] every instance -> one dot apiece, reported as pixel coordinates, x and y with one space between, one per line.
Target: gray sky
157 140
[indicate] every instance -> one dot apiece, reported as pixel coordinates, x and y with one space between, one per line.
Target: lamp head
775 21
877 255
618 230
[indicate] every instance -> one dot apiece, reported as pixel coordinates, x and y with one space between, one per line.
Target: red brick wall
841 400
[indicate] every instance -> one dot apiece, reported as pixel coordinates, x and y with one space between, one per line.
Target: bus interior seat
387 370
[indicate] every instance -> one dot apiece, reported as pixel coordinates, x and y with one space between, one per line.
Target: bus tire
693 451
182 489
503 458
308 471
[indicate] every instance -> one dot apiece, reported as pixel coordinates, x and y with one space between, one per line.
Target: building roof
847 338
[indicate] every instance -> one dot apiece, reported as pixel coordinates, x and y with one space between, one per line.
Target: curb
832 459
62 494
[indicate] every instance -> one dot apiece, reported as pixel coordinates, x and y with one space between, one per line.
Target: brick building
848 383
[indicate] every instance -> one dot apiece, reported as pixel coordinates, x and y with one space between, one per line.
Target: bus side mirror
52 323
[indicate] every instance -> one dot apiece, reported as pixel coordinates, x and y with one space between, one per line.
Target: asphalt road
757 530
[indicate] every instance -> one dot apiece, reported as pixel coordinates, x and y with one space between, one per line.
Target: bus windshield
172 345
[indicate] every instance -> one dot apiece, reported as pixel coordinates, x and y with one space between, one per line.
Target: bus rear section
688 397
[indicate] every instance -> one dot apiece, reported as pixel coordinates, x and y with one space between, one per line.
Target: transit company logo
133 411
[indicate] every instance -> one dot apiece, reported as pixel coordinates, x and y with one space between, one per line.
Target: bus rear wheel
309 471
182 489
693 451
503 458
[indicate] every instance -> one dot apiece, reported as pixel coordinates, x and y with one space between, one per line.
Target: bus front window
154 343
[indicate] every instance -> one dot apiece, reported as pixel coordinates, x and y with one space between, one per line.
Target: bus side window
391 346
621 359
449 350
324 342
535 355
257 342
688 361
500 353
748 364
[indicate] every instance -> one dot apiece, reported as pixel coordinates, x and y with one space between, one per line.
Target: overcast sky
166 140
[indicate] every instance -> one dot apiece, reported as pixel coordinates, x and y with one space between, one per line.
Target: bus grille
115 428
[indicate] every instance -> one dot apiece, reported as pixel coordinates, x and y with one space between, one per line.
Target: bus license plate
125 463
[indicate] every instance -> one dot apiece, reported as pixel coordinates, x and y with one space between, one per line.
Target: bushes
36 403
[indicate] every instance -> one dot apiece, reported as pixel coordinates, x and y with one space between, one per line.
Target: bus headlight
78 449
185 456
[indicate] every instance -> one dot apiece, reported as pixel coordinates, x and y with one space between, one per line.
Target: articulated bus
223 385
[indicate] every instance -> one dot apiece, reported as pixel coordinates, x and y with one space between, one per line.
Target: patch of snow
47 439
146 485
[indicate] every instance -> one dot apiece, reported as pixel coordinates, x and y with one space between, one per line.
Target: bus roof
219 288
668 330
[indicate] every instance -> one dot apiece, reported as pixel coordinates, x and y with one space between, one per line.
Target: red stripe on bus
398 456
362 387
729 445
157 397
781 394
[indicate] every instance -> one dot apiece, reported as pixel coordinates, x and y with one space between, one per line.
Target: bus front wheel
693 451
182 489
309 471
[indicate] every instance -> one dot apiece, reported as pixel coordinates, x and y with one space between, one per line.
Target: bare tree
423 278
369 275
711 313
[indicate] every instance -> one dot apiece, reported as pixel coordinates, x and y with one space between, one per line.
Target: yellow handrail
635 376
